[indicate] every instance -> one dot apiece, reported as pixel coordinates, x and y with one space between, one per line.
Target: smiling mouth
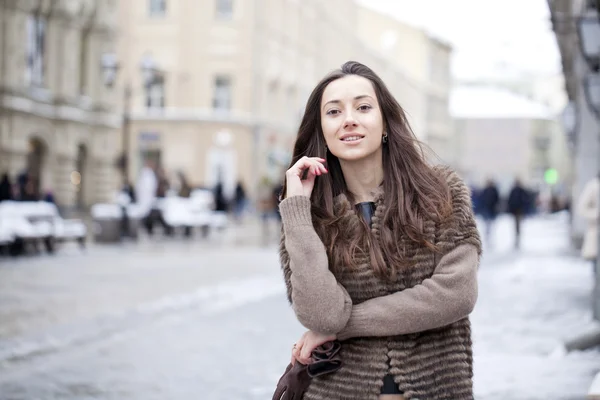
352 138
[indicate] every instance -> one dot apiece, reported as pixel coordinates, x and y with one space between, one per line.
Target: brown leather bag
296 378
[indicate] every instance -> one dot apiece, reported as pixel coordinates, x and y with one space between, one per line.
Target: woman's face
351 119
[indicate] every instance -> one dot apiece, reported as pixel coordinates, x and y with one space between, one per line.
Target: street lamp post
110 67
588 29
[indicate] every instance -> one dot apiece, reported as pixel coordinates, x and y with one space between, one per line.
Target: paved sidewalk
175 319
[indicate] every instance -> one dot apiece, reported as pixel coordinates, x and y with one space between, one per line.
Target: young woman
379 250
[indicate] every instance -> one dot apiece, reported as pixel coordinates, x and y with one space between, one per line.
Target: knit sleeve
448 296
321 304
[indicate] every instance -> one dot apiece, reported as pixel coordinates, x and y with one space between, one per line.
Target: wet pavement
173 319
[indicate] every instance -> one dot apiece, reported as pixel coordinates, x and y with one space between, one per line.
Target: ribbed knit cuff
357 323
295 210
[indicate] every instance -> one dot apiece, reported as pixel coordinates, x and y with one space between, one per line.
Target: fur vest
431 365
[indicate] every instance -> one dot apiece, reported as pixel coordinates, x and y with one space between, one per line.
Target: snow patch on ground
530 303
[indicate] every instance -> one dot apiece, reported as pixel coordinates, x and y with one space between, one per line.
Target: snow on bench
36 221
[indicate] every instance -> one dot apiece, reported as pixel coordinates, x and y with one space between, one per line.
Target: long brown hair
413 191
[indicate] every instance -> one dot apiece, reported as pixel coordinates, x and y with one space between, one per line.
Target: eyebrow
362 96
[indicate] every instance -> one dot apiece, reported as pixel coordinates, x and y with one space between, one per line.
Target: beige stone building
234 76
424 62
57 117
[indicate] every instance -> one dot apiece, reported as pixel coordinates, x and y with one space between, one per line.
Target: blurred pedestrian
518 206
49 196
146 188
239 201
265 206
162 183
128 190
185 189
162 190
588 207
221 203
488 201
125 197
6 188
380 251
29 192
22 180
475 199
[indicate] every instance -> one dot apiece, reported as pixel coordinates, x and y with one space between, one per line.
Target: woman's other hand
304 347
296 186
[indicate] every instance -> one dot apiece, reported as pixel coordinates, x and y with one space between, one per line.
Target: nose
350 121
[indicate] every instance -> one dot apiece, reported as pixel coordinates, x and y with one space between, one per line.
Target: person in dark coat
239 201
29 193
221 203
5 188
518 205
488 202
185 190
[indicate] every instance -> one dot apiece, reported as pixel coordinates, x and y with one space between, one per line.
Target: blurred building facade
504 136
425 61
235 76
585 138
57 118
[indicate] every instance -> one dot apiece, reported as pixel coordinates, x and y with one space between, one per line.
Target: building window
155 93
83 63
225 9
36 40
222 93
157 8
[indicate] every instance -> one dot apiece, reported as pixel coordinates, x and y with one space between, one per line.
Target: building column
102 177
61 166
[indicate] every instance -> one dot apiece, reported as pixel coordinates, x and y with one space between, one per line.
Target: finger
304 360
304 163
305 353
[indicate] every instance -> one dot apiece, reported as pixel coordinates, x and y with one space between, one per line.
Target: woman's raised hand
296 186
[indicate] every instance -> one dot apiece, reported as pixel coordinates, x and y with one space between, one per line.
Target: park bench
192 212
24 223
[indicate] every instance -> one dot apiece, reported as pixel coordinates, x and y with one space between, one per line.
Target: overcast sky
490 37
